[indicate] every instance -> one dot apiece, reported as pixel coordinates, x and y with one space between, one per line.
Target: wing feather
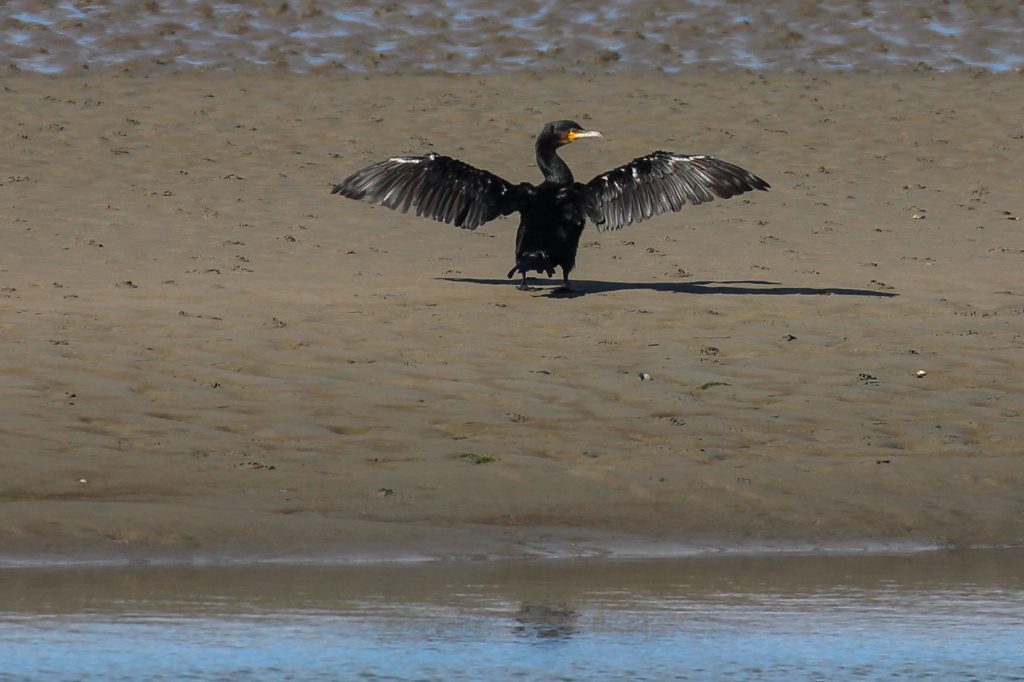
661 182
438 187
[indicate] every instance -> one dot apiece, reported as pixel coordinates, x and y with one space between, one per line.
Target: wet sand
479 36
476 588
204 353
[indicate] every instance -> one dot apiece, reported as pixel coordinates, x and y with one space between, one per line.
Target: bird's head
558 133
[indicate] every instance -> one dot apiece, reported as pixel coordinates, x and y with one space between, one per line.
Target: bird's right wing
439 187
662 182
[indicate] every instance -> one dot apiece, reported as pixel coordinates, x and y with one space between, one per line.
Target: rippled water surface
485 37
927 616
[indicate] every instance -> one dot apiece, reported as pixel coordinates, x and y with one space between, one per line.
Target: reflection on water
937 615
546 622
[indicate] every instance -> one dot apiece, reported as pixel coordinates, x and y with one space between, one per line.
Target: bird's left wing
439 187
662 182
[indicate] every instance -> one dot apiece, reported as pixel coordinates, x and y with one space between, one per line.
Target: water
925 616
479 36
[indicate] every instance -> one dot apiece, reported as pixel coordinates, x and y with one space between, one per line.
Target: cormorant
554 212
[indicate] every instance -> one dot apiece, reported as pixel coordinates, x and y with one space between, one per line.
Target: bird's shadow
582 287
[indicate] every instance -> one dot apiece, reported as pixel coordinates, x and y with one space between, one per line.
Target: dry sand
202 352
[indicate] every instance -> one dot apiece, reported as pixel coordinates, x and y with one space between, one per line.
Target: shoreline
646 552
474 37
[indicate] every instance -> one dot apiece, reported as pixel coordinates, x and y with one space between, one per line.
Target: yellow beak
576 134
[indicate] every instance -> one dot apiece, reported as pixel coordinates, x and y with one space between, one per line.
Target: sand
204 353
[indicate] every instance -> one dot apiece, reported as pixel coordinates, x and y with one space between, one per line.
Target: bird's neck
551 165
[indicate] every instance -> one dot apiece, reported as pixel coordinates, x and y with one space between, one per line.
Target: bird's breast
561 204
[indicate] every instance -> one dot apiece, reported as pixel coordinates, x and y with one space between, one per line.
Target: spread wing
661 182
439 187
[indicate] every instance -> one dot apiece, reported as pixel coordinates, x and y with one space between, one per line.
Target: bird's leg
522 285
565 288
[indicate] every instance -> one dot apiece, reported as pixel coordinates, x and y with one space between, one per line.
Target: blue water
897 617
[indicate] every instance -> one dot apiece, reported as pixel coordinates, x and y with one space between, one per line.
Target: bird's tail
531 261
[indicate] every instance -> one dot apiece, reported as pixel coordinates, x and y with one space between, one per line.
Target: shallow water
929 615
479 36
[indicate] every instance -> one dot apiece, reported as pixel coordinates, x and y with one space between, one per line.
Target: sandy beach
204 353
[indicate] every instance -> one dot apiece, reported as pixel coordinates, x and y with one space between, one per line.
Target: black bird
554 212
